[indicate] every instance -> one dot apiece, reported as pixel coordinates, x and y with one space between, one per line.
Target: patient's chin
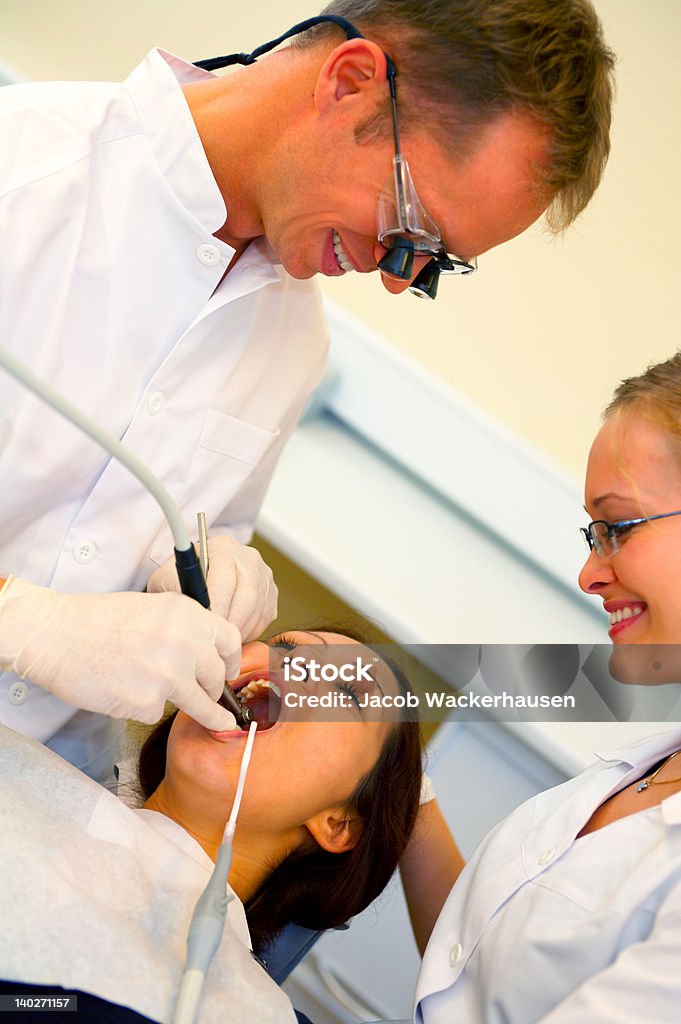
646 664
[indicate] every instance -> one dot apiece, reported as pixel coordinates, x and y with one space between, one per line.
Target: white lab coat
543 927
98 897
111 288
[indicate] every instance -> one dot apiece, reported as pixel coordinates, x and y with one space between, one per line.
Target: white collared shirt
111 288
544 927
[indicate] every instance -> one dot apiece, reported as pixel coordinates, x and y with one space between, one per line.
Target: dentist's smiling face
330 226
319 201
634 470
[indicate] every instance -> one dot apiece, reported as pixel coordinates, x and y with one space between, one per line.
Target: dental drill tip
246 716
242 714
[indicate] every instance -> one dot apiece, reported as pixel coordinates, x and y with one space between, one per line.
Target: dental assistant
158 240
569 911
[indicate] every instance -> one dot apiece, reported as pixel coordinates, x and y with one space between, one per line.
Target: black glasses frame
592 541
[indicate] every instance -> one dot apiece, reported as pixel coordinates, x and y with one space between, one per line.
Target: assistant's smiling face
634 470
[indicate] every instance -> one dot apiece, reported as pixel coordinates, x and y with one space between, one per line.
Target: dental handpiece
192 573
241 713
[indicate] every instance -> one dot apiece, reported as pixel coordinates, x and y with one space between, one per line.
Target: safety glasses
405 229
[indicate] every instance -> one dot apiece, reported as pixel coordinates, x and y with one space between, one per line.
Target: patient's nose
255 657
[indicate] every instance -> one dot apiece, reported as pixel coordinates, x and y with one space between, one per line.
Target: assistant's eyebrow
606 497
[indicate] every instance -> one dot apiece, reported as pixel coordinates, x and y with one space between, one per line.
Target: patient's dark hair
315 888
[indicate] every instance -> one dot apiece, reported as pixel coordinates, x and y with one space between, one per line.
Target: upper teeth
255 686
341 257
625 613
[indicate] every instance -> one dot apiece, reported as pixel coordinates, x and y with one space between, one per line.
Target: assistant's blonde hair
655 394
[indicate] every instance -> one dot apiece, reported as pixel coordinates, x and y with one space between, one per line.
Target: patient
101 895
315 790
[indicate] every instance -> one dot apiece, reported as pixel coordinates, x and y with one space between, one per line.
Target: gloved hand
240 585
122 655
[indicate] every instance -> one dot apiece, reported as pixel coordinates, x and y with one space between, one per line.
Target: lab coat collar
644 752
154 86
617 769
544 828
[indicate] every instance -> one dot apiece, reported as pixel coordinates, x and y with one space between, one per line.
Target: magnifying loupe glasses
406 230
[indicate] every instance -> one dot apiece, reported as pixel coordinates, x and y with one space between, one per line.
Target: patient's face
297 767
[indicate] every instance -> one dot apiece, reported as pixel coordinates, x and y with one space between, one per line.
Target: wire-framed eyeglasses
604 536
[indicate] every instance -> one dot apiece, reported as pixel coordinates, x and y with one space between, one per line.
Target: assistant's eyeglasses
604 536
405 229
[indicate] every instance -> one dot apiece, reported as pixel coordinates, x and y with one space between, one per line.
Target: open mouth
340 254
262 697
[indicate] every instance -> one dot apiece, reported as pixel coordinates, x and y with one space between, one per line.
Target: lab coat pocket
228 454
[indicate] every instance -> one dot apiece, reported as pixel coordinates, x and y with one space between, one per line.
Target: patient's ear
336 830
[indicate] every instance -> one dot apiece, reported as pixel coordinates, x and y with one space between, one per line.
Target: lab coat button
85 552
17 693
455 954
156 402
209 255
547 856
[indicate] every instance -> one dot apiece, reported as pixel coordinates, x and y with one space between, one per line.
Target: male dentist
159 240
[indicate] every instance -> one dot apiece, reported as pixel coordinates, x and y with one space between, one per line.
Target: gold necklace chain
650 779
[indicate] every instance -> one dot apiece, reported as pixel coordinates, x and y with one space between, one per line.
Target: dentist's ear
356 70
335 830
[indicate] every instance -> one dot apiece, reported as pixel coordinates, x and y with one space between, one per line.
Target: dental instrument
189 568
209 915
208 919
203 542
229 700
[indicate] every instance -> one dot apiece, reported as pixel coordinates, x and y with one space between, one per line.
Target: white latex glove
122 655
240 585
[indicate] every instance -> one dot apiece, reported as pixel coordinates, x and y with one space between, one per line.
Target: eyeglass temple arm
212 63
391 74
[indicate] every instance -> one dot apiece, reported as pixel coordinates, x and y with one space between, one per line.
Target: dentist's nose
392 284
